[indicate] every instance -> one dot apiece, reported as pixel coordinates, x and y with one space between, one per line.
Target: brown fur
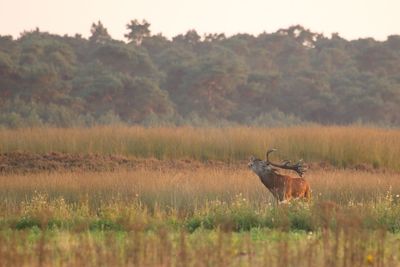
286 188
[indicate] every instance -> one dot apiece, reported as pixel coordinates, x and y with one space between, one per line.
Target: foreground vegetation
338 146
194 198
258 247
188 199
197 215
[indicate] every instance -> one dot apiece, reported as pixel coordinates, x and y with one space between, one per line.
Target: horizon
356 20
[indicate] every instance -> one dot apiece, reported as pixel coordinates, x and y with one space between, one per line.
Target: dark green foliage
284 78
99 34
246 220
137 31
56 224
193 223
301 220
25 223
104 225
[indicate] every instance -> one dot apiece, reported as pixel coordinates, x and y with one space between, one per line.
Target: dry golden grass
143 217
182 213
193 186
160 237
341 146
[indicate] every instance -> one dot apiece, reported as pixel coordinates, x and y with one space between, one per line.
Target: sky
352 19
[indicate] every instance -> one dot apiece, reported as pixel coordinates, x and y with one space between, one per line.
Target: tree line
291 76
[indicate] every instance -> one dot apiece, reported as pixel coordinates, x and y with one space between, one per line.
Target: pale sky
352 19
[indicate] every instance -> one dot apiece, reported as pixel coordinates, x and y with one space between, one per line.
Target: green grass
237 214
258 247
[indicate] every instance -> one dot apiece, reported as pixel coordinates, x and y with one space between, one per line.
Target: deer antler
298 167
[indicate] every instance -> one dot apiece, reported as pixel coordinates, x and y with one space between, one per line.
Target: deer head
298 167
259 166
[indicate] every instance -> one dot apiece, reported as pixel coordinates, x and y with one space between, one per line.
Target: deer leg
307 194
277 201
276 197
281 196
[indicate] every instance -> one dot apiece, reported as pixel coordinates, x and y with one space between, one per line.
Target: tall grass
207 197
340 146
196 214
177 187
349 247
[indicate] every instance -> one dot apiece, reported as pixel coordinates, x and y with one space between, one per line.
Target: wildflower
397 195
309 237
370 259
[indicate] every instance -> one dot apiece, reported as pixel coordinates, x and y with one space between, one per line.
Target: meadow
337 145
193 201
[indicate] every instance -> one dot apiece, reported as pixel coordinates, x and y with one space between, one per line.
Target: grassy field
171 217
340 146
258 247
208 210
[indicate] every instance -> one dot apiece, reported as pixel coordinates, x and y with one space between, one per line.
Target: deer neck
269 179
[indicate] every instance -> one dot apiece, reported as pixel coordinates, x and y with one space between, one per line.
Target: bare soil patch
24 162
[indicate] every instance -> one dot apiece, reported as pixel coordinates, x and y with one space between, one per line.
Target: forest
289 77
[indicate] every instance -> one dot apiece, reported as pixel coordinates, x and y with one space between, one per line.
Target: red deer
283 187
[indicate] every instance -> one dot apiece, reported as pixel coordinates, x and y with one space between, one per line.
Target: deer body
283 187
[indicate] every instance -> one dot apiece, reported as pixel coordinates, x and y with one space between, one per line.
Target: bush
25 223
193 223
